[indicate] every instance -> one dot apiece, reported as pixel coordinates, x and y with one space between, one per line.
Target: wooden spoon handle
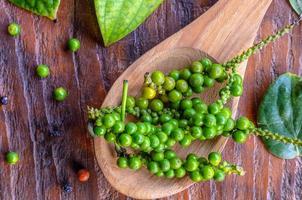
221 38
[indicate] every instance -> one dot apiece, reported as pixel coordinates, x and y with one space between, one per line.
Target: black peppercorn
4 100
67 187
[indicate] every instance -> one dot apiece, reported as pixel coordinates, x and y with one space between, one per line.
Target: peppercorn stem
234 62
124 99
275 136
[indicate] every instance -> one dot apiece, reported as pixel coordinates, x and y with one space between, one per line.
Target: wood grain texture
45 161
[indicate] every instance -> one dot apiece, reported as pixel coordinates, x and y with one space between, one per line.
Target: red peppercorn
83 175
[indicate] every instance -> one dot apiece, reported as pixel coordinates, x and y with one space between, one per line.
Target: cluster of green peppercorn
167 114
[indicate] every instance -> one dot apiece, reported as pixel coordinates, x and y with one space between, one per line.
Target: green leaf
297 6
47 8
117 18
281 112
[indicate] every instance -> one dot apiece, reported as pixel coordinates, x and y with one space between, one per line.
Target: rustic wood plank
26 122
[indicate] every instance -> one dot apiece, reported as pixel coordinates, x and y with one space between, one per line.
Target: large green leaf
117 18
281 112
47 8
297 6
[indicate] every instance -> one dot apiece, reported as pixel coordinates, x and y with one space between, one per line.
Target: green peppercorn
135 163
198 89
142 103
14 29
191 165
207 172
196 80
130 127
214 158
219 175
118 127
73 44
60 94
197 67
206 62
174 96
164 165
242 123
156 105
12 157
108 120
99 130
186 141
180 172
153 167
174 74
158 77
122 162
42 71
239 137
110 137
169 83
229 125
195 176
185 74
182 85
170 174
169 154
209 132
177 134
148 93
208 82
216 71
236 90
130 102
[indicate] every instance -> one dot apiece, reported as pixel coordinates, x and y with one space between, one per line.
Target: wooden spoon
224 31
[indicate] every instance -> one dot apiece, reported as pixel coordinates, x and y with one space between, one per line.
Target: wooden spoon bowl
221 33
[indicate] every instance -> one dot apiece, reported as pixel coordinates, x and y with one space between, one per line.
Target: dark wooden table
30 117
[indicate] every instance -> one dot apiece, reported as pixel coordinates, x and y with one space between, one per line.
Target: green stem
277 137
233 63
124 100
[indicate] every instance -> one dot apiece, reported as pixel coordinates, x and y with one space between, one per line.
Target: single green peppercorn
214 158
156 105
216 71
153 167
148 93
196 80
197 67
170 173
207 172
42 71
122 162
12 157
243 123
182 85
130 102
195 176
135 163
174 74
185 74
219 175
73 44
158 77
99 130
206 62
180 172
191 165
60 94
239 137
14 29
169 83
